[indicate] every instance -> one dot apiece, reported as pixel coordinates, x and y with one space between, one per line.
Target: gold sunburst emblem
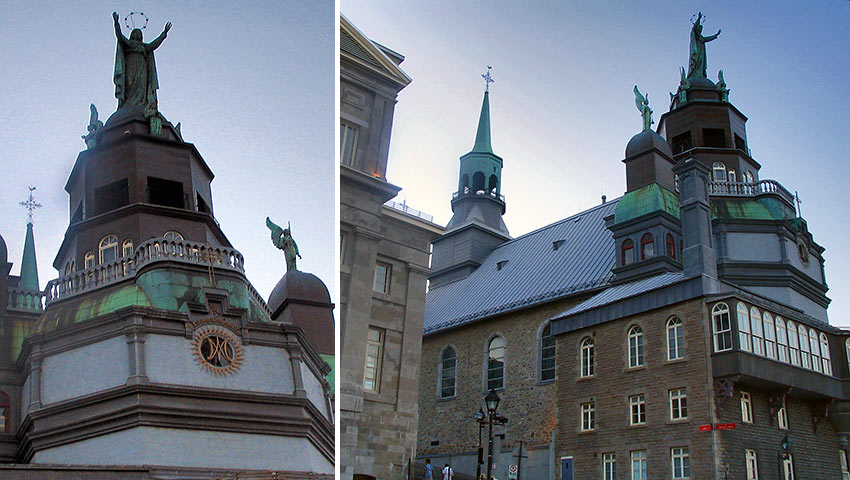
217 350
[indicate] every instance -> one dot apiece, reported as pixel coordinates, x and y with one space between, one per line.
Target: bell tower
478 205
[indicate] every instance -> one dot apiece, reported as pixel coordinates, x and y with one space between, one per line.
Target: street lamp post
492 402
479 417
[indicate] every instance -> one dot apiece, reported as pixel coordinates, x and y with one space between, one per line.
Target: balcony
480 193
402 207
740 189
21 300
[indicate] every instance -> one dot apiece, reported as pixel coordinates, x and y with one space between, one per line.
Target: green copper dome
644 200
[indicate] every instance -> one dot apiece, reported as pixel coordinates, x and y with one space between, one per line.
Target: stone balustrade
23 300
740 189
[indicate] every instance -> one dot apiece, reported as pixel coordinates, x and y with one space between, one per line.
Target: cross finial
798 202
487 79
30 205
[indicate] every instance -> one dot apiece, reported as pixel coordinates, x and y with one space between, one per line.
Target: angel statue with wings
282 239
643 107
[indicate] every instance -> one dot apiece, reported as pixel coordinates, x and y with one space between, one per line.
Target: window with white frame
173 235
126 247
845 469
88 260
678 404
746 407
744 328
547 354
374 357
824 353
588 416
805 359
448 372
752 464
769 335
70 266
793 344
758 334
781 340
496 364
383 274
680 462
638 470
609 466
587 357
675 339
782 417
637 406
635 347
722 327
814 345
788 468
347 143
108 249
718 172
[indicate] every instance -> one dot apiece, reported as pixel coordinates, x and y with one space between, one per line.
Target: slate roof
532 271
623 291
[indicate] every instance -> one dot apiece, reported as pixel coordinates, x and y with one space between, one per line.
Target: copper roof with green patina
648 199
761 208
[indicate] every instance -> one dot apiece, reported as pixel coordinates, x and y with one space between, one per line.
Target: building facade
385 248
679 331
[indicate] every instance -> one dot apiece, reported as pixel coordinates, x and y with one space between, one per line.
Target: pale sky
562 107
251 82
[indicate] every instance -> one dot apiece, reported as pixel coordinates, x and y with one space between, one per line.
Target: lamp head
492 401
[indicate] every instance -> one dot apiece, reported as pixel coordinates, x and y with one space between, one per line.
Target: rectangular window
609 466
782 418
165 192
347 143
788 468
588 417
638 465
111 197
845 470
681 143
746 407
680 462
678 404
752 465
637 404
383 274
722 331
714 137
374 356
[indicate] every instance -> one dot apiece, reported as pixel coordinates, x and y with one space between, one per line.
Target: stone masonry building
679 331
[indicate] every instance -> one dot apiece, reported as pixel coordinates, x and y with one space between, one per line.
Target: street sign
512 471
726 426
705 428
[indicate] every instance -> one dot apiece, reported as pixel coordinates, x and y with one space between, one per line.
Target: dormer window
557 244
108 249
647 246
718 172
501 264
627 252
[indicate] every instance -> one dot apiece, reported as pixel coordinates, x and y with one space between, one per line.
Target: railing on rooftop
151 251
402 207
740 189
467 192
23 300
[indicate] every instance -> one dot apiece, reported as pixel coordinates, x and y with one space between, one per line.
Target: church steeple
477 225
29 266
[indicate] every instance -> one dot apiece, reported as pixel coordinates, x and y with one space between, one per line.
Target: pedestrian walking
448 473
429 469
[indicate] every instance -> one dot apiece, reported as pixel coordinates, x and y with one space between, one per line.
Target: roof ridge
558 222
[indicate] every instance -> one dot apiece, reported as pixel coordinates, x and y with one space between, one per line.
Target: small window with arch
108 249
675 339
670 246
173 235
627 252
547 354
126 247
647 246
88 259
635 347
718 172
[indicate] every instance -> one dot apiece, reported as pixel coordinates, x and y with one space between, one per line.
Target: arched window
627 252
670 246
173 235
108 249
744 328
748 177
793 344
731 176
718 172
127 248
5 412
70 266
758 335
448 372
477 182
494 184
635 347
89 259
824 353
647 246
769 335
464 181
587 357
675 339
547 354
722 327
781 340
496 364
814 345
805 359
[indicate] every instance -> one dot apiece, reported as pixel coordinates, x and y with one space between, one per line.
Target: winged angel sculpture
282 239
642 104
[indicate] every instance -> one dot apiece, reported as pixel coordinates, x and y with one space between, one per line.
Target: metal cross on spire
30 205
487 78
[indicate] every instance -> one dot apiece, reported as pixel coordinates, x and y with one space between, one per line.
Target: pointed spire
29 269
482 138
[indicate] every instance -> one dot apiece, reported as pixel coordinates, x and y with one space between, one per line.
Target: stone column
135 335
698 257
